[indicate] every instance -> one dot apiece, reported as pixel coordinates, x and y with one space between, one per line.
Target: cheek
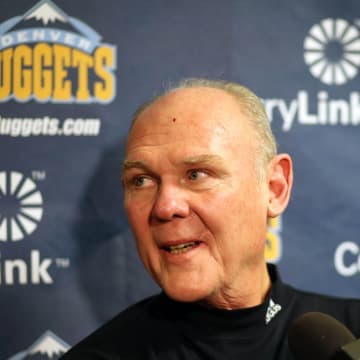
236 216
221 218
138 213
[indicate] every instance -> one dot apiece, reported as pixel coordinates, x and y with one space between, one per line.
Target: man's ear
280 179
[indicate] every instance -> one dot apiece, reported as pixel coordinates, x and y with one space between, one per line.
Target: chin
185 293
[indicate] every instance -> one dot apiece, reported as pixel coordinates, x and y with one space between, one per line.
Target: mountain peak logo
49 56
332 51
47 12
48 346
20 206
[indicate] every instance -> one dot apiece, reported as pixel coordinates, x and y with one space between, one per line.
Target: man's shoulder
123 332
142 314
346 310
144 309
314 298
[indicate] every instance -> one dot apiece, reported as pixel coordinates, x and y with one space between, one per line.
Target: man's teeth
181 248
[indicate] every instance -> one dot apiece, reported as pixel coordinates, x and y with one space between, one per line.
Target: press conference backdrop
72 73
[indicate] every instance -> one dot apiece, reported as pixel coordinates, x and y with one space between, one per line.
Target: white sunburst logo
20 206
332 51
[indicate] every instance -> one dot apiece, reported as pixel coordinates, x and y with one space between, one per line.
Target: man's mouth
181 248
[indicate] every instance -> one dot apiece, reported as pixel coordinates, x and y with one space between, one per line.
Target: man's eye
196 174
140 181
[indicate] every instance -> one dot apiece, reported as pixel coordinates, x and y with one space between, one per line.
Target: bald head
249 104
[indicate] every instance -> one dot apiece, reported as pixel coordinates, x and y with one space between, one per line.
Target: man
201 179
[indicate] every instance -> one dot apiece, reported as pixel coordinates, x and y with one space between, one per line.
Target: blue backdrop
72 73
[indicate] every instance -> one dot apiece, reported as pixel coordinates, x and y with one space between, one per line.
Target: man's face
194 198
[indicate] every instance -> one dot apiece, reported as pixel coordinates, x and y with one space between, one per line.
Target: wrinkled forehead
197 112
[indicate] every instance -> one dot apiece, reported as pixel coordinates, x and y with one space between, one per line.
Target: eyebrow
129 164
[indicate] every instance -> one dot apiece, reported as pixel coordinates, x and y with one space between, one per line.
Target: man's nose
171 202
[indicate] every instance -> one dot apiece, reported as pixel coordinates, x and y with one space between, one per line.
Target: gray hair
250 104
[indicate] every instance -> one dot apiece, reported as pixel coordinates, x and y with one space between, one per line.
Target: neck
251 291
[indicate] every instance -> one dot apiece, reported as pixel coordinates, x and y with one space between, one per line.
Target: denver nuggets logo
48 56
